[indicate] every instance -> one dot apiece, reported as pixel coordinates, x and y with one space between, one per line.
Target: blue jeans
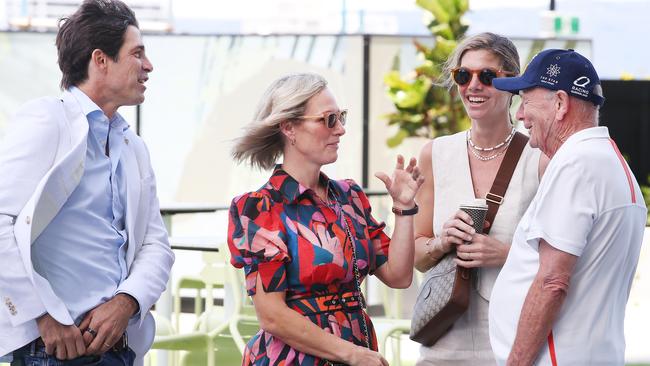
34 355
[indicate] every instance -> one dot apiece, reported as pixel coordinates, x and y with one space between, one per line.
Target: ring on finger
92 332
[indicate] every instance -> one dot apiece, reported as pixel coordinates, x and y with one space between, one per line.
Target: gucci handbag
443 296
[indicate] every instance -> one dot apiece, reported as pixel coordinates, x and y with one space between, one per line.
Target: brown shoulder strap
494 198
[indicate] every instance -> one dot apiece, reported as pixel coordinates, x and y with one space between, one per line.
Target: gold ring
107 345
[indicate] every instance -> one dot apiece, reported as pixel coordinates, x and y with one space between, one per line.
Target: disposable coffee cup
477 209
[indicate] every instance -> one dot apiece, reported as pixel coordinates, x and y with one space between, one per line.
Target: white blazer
41 163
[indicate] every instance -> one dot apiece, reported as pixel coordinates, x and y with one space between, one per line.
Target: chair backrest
398 303
243 323
215 276
242 302
391 301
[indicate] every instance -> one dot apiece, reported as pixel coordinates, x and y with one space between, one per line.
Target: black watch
410 211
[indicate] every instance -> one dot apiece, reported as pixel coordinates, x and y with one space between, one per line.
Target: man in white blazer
83 247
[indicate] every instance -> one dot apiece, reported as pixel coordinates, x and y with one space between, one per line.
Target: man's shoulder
40 105
40 115
46 100
596 155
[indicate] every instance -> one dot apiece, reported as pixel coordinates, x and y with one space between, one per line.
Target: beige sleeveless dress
468 342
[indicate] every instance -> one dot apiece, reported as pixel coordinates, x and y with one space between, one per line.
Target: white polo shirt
588 204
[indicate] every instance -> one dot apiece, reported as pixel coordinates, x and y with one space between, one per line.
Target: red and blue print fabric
297 244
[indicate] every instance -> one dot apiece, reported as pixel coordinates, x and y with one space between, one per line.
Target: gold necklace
322 192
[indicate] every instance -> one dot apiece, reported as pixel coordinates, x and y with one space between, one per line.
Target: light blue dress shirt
82 252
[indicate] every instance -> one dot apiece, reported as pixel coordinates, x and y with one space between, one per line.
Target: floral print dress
298 244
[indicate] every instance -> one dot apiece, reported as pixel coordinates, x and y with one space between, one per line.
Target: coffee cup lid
477 202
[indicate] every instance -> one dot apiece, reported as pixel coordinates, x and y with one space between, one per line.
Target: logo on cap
553 70
578 87
581 81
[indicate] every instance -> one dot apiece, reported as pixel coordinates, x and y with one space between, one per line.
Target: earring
293 141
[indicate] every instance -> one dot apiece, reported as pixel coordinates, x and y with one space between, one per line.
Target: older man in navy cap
560 297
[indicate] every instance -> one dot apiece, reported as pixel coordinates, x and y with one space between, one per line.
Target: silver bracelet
429 247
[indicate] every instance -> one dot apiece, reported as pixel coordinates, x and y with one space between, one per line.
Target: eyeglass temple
338 115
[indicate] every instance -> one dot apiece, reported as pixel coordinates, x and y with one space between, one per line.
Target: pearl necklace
504 142
480 157
489 157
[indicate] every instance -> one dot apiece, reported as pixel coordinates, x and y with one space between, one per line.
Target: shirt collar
599 132
290 188
87 104
88 107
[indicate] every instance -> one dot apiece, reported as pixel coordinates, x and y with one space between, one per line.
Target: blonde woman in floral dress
306 241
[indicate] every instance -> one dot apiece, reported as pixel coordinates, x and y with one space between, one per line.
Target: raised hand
404 183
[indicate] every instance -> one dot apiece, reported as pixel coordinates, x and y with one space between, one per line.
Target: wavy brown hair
97 24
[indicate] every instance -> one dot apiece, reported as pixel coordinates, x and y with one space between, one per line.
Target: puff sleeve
375 230
257 241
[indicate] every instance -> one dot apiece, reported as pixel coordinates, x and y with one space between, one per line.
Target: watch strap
410 211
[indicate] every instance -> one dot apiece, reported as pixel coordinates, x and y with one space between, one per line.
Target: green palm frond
423 108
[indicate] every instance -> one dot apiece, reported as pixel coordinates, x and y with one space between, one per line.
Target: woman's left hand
482 251
404 183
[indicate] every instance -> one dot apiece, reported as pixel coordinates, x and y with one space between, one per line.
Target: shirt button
28 220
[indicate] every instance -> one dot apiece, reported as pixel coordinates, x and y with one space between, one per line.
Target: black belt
119 346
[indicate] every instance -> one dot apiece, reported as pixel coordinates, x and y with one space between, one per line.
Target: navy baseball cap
557 69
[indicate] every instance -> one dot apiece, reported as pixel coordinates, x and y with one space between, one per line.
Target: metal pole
137 120
344 20
552 5
366 111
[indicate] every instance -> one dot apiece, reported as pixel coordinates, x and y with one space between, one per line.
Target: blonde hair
284 100
500 46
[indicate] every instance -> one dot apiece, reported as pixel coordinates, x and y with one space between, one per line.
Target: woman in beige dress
461 167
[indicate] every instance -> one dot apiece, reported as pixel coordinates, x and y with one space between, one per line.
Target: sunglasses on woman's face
330 118
463 75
